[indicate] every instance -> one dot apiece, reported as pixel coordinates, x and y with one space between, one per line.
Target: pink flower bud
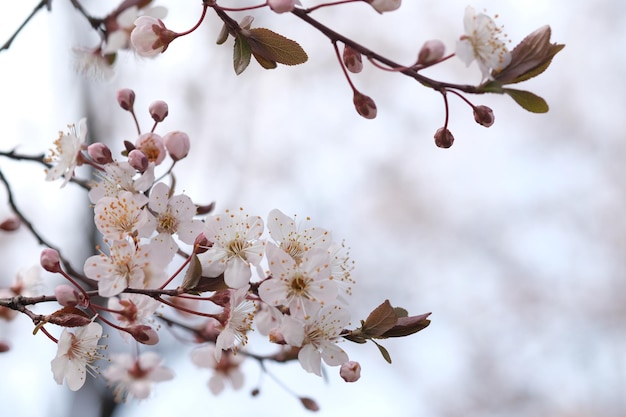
4 347
67 296
364 105
11 224
443 138
100 153
152 146
385 5
143 334
126 98
138 160
309 404
202 244
50 260
158 110
352 60
177 144
150 37
484 116
282 6
431 52
350 371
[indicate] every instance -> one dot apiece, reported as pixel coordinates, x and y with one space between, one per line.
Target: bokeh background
513 238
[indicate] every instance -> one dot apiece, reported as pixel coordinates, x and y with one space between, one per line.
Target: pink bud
100 153
150 37
126 98
443 138
350 371
4 347
11 224
50 260
352 59
158 110
67 296
484 116
152 146
309 404
282 6
177 144
143 334
138 160
431 52
364 105
202 244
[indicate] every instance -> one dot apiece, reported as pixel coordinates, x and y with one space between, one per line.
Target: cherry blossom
318 337
125 22
225 370
150 37
240 315
134 377
304 287
118 177
122 216
236 246
481 42
65 156
173 215
132 309
75 354
294 239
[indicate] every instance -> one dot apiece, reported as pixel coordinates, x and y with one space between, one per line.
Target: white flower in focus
118 177
296 240
75 353
382 6
174 215
64 157
481 43
134 377
236 246
226 369
318 338
122 269
304 287
122 216
240 317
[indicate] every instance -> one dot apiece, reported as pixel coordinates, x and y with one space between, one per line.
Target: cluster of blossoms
292 286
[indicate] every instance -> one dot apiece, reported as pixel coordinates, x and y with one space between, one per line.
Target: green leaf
383 351
381 319
274 47
529 101
241 54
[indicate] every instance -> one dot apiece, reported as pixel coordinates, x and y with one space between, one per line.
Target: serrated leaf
383 351
241 54
529 101
381 319
193 274
274 47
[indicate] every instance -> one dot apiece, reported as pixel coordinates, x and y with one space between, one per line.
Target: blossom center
299 286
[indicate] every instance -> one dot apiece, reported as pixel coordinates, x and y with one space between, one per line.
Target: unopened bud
138 160
443 138
50 260
126 98
364 105
67 296
350 371
431 52
309 404
484 116
144 334
4 347
382 6
202 244
11 224
152 146
177 144
282 6
352 60
158 110
100 153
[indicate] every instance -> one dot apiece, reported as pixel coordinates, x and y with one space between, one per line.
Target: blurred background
514 238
